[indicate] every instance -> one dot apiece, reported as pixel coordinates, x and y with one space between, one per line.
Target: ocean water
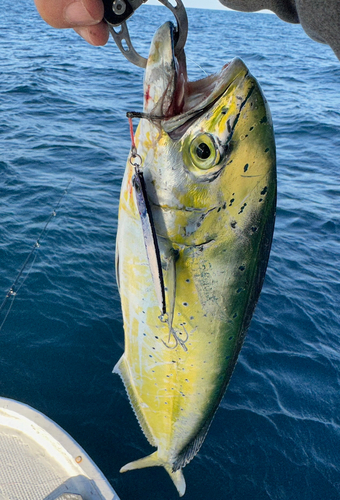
276 434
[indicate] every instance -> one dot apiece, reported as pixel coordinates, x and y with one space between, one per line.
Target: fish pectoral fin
153 460
169 259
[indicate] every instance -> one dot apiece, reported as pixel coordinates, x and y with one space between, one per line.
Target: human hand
84 16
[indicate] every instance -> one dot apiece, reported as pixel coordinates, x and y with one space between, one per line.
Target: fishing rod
14 288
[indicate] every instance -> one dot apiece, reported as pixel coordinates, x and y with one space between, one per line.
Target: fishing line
15 287
27 274
200 67
13 294
133 144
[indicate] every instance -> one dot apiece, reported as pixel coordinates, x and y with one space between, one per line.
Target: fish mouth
177 100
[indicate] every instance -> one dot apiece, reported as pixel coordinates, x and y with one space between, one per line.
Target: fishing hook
178 340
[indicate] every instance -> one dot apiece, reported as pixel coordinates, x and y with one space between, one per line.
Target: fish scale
214 221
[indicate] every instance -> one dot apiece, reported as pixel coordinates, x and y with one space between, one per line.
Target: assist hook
116 12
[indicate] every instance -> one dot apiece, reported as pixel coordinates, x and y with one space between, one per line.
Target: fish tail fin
178 479
153 461
149 461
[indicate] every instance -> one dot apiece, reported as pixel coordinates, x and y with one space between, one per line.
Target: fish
207 155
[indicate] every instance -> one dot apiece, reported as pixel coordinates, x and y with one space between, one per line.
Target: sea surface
276 434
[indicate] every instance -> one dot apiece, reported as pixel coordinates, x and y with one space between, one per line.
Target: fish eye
204 152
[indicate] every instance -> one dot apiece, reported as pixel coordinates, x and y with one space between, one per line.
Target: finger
95 35
70 13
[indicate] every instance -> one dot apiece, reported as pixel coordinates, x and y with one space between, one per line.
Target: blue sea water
276 434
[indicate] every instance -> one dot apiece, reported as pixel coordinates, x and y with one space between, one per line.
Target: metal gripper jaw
117 12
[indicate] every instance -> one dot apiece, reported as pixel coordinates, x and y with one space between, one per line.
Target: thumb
70 13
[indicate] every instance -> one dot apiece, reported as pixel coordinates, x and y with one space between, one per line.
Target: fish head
207 147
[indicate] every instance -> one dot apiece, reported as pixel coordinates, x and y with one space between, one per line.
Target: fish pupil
203 151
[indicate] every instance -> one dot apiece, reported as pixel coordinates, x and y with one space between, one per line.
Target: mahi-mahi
207 155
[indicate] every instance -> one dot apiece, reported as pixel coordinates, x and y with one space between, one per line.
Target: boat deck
40 461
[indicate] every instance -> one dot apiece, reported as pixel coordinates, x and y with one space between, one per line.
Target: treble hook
179 341
116 13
